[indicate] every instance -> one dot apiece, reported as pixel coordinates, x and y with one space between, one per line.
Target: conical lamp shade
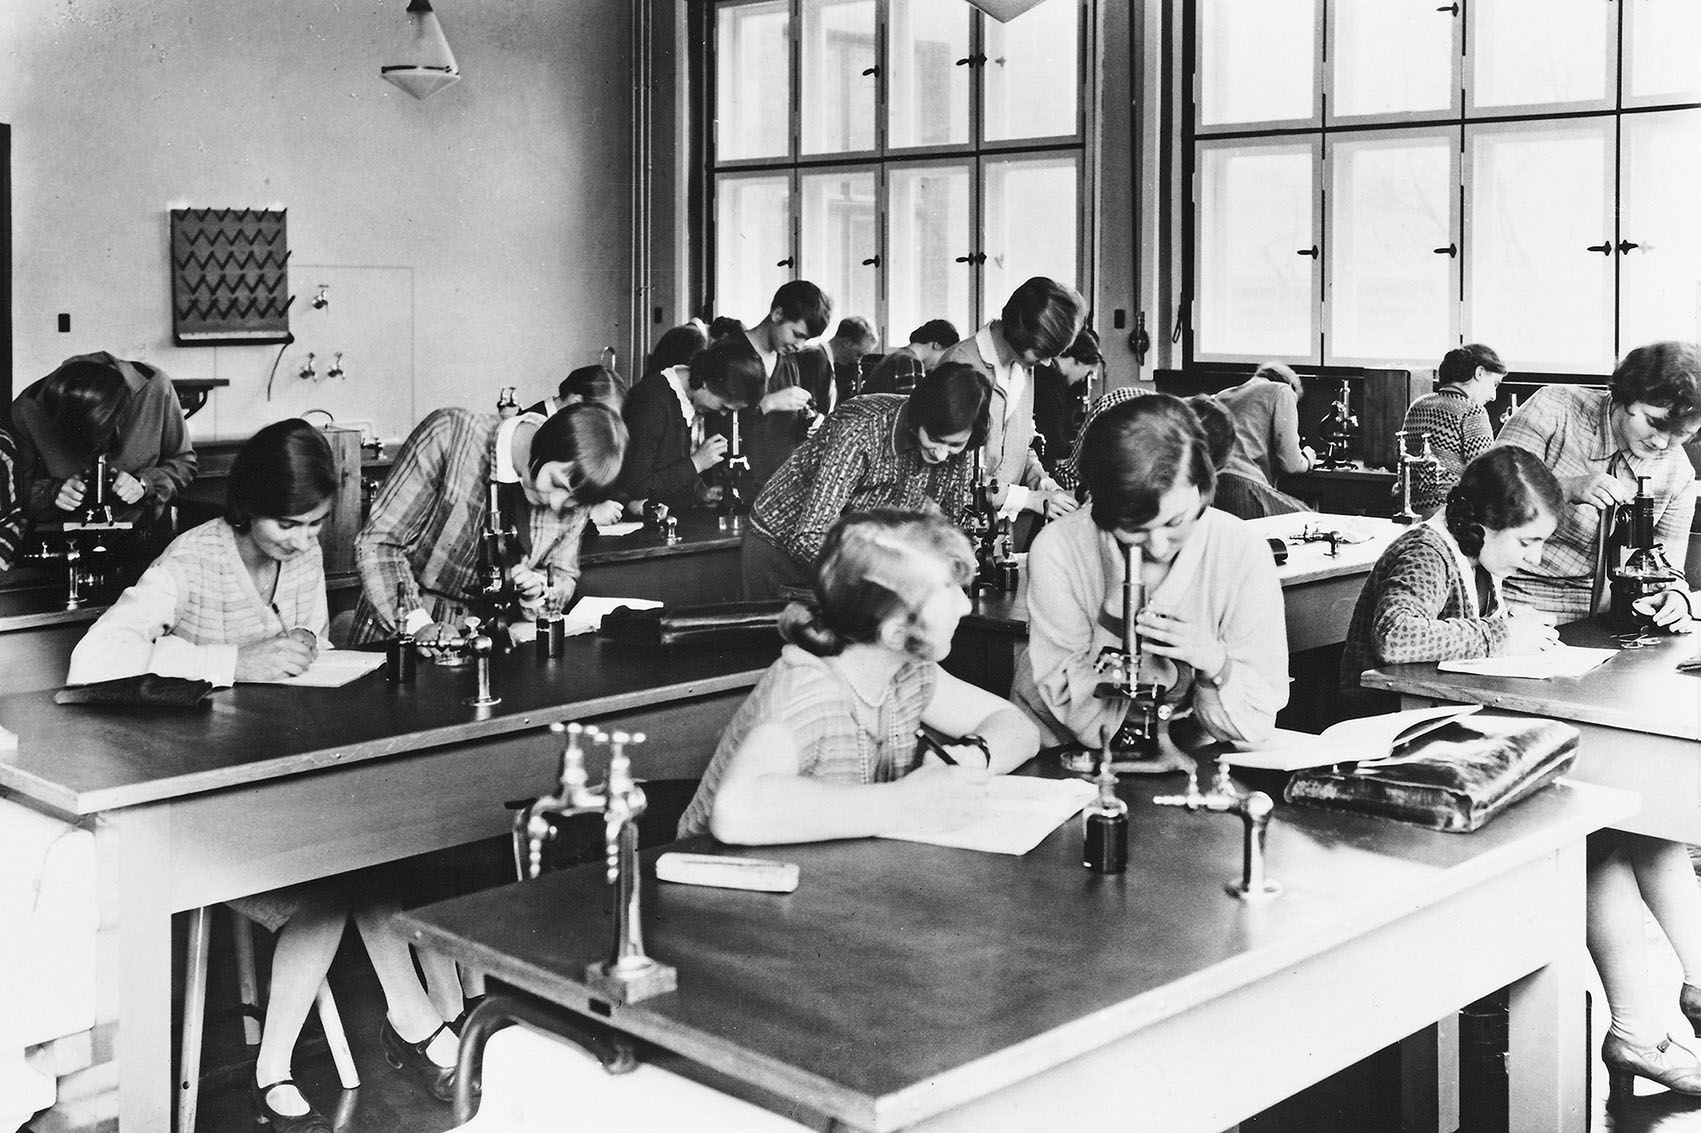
424 64
1005 10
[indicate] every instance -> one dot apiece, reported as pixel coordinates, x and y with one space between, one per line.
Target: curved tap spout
1255 808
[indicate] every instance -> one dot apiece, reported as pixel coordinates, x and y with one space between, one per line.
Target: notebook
1019 813
333 668
1560 661
1364 738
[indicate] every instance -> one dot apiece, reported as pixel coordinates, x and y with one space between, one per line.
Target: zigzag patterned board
229 276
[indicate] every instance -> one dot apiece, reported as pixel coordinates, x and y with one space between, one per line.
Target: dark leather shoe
471 1002
411 1057
310 1122
1689 999
1667 1063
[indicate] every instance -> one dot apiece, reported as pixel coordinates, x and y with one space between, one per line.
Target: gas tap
627 975
1254 809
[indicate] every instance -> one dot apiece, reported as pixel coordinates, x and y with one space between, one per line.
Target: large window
1415 175
914 158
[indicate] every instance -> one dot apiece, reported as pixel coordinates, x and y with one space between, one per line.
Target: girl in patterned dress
242 598
825 745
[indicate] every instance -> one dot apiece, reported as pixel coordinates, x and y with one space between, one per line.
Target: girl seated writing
242 598
825 746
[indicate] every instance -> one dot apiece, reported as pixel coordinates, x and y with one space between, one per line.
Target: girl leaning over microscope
826 744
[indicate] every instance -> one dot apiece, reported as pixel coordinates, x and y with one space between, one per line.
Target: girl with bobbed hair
418 553
1597 442
242 598
668 416
1212 629
1435 595
878 450
825 745
1040 321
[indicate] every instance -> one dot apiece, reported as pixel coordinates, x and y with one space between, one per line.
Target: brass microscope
627 975
87 541
736 492
1642 569
992 534
1337 430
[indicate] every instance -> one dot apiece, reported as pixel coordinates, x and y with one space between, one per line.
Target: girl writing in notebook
242 598
1435 595
825 746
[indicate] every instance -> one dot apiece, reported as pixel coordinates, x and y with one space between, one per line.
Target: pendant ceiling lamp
424 64
1005 10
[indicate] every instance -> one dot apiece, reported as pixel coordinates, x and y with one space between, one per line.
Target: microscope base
1237 888
635 984
481 701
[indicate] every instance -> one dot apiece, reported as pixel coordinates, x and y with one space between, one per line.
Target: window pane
752 80
752 234
1663 62
839 232
838 98
1031 215
1032 73
1537 198
1661 278
1256 296
928 94
1240 44
1393 56
1390 294
928 213
1541 52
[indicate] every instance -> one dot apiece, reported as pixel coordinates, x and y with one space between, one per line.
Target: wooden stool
195 1003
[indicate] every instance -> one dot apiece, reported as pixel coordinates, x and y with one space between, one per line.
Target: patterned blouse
840 737
1570 429
1420 604
1069 468
1458 431
864 456
422 535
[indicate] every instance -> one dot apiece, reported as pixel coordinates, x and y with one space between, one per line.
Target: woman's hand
1597 489
791 399
529 584
607 512
940 798
1055 504
1669 610
1529 631
70 496
710 453
127 488
272 659
1167 634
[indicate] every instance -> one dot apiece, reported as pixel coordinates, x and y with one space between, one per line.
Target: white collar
502 468
1010 378
1467 569
677 377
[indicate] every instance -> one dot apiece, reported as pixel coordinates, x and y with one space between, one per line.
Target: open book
1560 661
1365 738
1018 814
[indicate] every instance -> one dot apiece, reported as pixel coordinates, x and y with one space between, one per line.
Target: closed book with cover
1455 778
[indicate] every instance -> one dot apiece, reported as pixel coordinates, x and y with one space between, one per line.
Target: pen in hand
928 743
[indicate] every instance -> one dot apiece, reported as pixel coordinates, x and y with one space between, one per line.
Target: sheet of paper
586 616
1363 738
1019 813
1560 661
333 668
624 527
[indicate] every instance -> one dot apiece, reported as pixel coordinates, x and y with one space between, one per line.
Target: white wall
494 214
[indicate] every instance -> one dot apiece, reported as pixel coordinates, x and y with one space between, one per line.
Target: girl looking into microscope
1212 629
826 744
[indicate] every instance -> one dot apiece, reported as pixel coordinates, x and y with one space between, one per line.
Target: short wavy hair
1137 451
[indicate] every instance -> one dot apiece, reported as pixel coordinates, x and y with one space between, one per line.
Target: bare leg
443 983
1667 881
1616 943
410 1010
305 948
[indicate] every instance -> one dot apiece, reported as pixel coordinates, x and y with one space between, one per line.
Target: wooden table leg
1547 1034
131 849
1429 1078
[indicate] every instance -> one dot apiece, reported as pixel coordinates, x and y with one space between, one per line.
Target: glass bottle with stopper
1104 842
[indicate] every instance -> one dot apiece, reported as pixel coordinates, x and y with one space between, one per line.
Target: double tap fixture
1410 463
1254 809
627 975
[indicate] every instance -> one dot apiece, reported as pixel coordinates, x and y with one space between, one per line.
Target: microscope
1254 809
628 975
496 603
86 538
1643 569
1337 430
735 483
1410 465
1137 745
992 535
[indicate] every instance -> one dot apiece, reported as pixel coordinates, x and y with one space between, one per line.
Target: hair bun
802 625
